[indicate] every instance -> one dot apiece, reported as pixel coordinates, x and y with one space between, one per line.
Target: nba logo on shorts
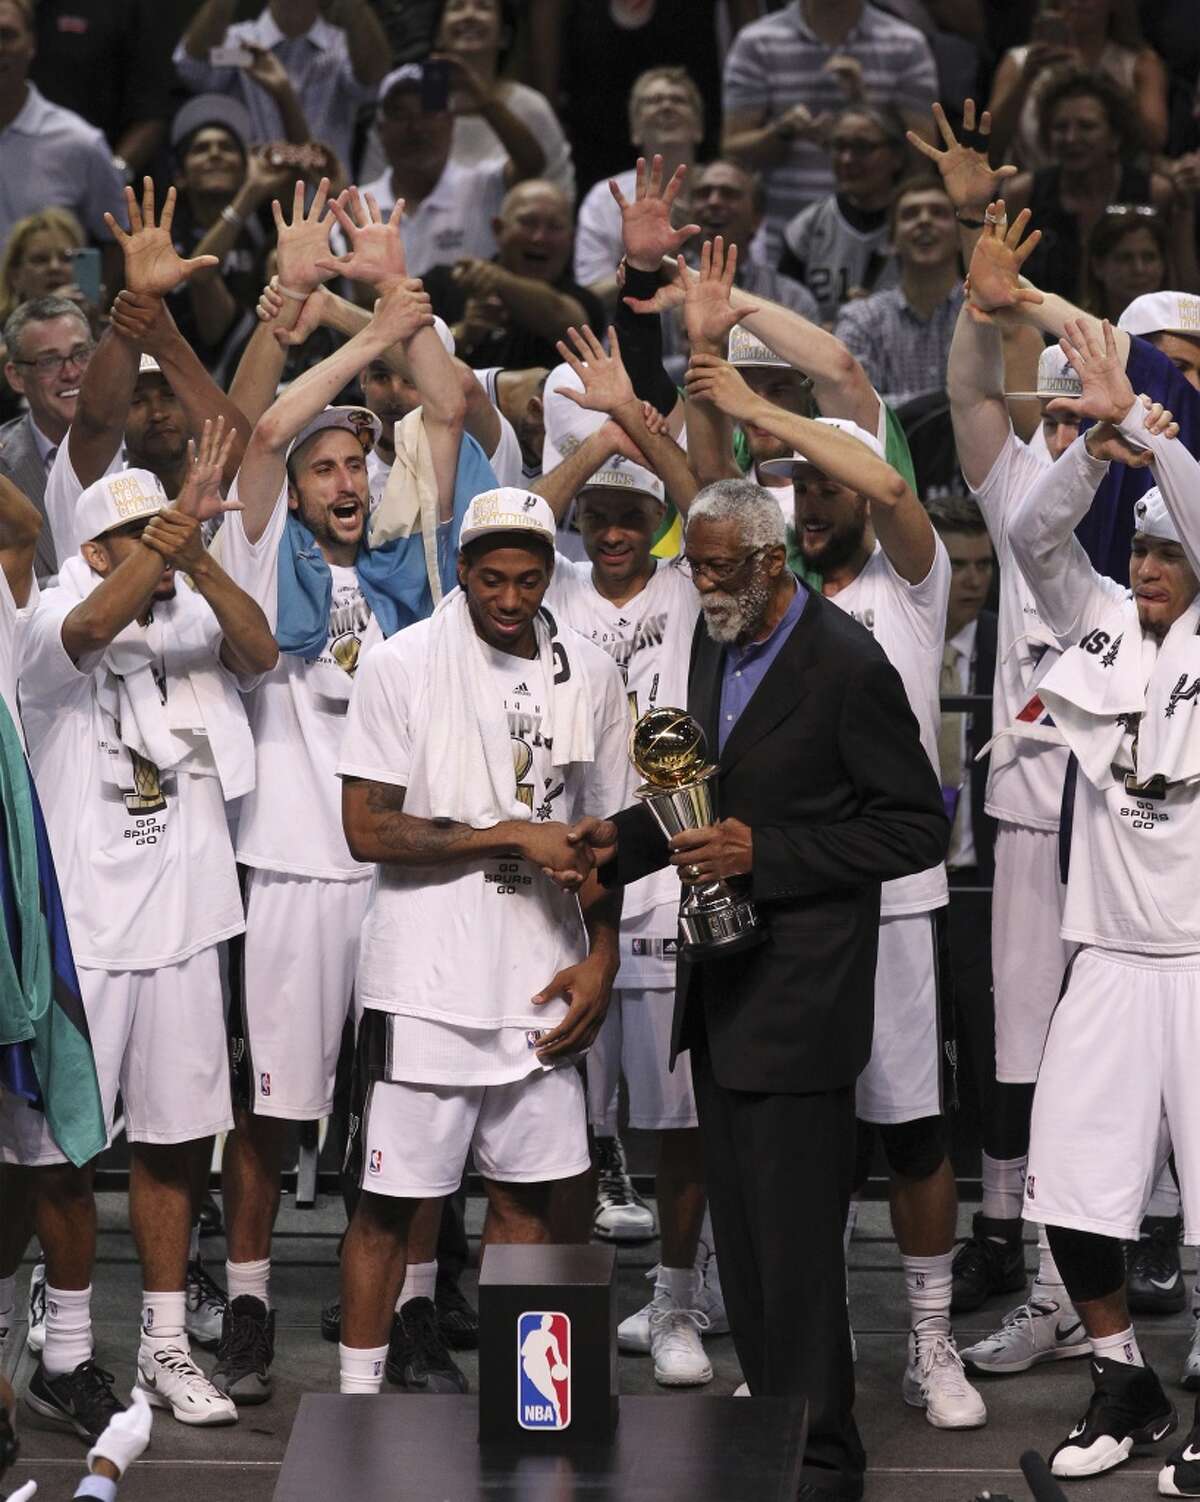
375 1161
543 1370
264 1084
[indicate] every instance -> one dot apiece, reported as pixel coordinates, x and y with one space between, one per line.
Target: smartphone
86 266
435 86
230 57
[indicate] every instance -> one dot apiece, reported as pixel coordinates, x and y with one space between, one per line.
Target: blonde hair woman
39 258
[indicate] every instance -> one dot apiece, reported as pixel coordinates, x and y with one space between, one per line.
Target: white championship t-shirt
1025 777
148 878
909 623
292 821
456 952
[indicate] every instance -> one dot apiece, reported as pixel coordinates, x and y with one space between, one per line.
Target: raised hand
271 303
143 320
646 222
376 253
403 310
606 383
266 176
969 178
305 241
620 442
151 262
175 537
1107 393
201 495
711 379
707 311
993 279
267 71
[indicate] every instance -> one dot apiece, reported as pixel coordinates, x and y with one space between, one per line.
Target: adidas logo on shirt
521 688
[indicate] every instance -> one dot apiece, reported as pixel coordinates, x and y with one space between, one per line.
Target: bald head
533 230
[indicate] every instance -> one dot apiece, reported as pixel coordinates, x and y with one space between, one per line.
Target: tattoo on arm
407 839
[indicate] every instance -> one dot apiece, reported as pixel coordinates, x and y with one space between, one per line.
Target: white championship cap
621 474
1162 313
365 426
786 468
1152 519
746 348
508 509
566 424
1055 377
148 365
126 495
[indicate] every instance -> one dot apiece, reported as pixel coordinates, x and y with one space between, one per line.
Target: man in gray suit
49 345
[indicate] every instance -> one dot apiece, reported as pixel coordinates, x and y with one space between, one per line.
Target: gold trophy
668 748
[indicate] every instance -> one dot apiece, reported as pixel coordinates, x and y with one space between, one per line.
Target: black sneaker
243 1369
621 1213
1180 1477
1153 1280
1128 1409
331 1320
990 1261
417 1358
457 1320
82 1400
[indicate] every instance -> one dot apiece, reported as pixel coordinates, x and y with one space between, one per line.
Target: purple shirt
746 667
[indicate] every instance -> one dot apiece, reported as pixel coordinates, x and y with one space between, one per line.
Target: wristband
287 292
969 223
640 284
231 216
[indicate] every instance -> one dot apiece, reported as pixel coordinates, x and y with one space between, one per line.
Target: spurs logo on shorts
543 1370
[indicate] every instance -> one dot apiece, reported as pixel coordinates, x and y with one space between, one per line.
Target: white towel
1119 683
201 714
410 498
462 766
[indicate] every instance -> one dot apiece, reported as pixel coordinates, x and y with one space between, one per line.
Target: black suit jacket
826 767
983 674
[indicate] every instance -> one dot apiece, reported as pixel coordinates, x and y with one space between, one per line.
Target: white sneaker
935 1381
633 1333
171 1379
1042 1330
742 1390
205 1307
35 1335
621 1213
679 1359
1191 1367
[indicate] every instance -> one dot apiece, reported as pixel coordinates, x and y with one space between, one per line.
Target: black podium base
405 1448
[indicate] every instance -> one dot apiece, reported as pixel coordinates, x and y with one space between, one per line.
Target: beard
736 617
839 546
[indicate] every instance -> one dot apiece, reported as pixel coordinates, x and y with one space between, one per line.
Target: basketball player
865 536
474 739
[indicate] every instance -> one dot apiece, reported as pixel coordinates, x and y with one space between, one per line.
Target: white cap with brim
115 500
407 76
786 468
1152 519
620 474
1055 377
746 348
508 509
565 423
365 426
1162 313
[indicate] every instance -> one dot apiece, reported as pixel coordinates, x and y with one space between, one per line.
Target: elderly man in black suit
824 792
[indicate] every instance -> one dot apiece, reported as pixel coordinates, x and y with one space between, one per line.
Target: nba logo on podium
543 1370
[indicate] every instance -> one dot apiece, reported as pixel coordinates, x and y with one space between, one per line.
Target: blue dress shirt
746 667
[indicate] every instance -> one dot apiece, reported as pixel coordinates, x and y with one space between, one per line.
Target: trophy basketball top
668 748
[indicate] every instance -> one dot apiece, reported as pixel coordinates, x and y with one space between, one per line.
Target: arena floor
909 1461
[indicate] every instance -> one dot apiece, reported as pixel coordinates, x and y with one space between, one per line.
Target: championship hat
508 509
407 76
114 500
1152 519
786 468
621 474
1055 377
1162 313
746 348
148 365
365 426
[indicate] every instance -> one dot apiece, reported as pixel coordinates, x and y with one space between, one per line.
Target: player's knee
914 1149
1091 1266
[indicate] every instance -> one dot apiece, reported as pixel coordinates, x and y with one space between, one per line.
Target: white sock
361 1370
1164 1200
1123 1348
194 1244
252 1279
928 1282
1003 1187
8 1303
68 1329
1048 1276
162 1317
848 1231
680 1284
420 1281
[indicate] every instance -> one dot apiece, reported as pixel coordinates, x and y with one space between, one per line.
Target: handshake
567 853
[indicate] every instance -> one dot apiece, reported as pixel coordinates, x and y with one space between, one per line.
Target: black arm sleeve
641 343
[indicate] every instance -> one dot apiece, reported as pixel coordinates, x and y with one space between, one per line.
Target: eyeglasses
49 365
719 570
1142 210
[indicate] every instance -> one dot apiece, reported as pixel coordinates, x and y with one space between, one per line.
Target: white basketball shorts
1120 1060
636 1041
902 1080
1028 956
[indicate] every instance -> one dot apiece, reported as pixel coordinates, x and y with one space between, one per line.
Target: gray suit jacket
21 463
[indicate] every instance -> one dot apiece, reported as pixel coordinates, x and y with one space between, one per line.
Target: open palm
152 265
303 243
969 178
994 277
376 251
707 310
201 493
646 222
1107 392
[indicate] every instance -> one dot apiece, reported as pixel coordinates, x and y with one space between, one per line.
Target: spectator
782 86
901 336
838 246
1084 128
1101 36
728 200
449 210
110 59
328 70
666 118
48 155
511 310
39 259
1127 256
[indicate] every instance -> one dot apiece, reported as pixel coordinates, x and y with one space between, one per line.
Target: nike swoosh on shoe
1172 1282
1190 1454
1061 1334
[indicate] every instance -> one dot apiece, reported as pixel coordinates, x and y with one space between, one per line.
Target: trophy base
721 930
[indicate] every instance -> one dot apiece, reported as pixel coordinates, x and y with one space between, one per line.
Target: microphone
1041 1483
